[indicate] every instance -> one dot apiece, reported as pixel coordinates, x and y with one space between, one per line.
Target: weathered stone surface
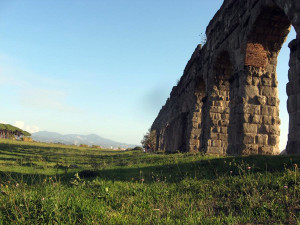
272 101
227 102
262 139
251 91
249 139
250 128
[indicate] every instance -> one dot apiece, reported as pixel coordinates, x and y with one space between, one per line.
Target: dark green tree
10 132
149 140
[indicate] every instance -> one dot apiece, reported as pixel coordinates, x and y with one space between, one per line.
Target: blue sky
103 67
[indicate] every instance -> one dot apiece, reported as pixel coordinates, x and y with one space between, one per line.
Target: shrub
84 145
138 148
96 146
27 139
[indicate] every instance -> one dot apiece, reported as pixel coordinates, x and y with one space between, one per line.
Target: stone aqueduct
227 102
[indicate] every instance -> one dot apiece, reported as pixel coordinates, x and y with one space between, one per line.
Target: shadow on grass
208 169
7 159
203 169
65 148
55 154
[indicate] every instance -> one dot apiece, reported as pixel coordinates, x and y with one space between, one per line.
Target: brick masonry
226 102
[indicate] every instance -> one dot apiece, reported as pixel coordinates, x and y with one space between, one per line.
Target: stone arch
218 106
176 131
247 36
266 37
261 110
197 115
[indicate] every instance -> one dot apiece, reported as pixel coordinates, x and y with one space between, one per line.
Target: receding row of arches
238 111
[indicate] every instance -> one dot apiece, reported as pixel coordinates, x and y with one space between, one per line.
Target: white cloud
29 128
32 129
20 124
3 122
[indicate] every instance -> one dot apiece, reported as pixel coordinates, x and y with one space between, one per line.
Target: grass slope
56 184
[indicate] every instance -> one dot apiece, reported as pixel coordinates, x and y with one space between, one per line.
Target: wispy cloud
34 90
14 71
45 99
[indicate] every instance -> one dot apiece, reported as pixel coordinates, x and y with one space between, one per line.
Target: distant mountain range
77 139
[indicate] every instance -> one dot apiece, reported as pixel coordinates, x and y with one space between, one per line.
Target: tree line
10 132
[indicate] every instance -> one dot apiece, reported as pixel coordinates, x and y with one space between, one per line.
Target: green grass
57 184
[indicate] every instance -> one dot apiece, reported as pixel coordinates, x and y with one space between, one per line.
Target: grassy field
56 184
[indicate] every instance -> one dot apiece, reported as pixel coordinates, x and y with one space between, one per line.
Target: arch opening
266 38
261 111
282 71
176 134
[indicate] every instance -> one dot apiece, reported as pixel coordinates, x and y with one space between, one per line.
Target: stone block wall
227 99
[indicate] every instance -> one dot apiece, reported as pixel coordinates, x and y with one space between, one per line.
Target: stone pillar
194 141
216 114
195 119
217 142
261 113
160 138
235 128
293 103
218 106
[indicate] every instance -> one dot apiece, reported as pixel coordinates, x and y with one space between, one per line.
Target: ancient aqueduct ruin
227 102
